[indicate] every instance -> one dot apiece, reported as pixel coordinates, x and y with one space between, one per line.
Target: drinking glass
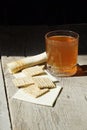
62 52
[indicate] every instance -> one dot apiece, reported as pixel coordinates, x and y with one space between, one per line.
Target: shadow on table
81 70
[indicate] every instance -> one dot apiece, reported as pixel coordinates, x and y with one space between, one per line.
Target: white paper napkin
47 99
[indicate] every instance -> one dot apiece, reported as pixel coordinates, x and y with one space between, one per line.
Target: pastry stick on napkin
27 62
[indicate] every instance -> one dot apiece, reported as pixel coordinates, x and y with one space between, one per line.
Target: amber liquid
62 54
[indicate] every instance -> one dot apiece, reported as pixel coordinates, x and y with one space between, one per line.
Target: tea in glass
62 52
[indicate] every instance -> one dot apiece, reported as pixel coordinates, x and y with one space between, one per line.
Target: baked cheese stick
27 62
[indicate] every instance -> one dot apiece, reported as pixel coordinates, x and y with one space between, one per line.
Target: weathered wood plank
4 114
69 112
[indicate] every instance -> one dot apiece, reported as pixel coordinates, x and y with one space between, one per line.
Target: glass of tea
62 52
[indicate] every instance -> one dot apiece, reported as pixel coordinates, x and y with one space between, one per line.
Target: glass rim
61 31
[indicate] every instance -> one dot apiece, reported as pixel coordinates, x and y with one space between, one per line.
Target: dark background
14 12
17 35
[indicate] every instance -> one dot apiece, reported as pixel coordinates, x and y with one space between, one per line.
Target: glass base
62 72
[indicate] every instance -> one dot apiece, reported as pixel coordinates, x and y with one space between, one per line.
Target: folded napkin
47 99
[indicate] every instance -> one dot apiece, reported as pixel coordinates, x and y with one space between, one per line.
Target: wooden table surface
70 109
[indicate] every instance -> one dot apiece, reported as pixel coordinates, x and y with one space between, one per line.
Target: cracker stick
34 91
27 62
32 71
23 82
43 82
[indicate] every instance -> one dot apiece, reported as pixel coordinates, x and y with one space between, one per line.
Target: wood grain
69 111
4 114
